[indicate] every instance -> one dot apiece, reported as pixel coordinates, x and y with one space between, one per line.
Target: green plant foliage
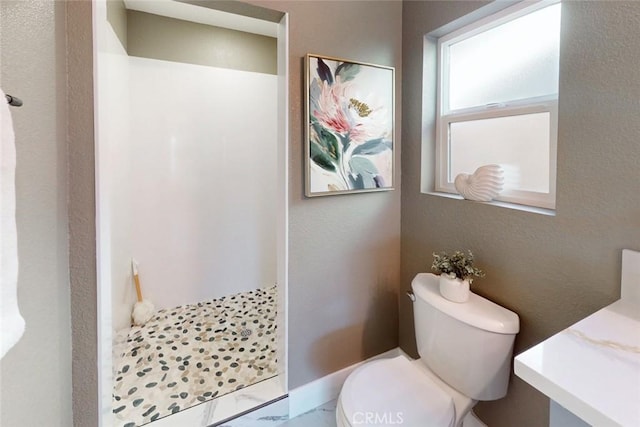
457 264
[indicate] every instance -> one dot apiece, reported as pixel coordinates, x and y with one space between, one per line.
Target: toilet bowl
465 351
398 392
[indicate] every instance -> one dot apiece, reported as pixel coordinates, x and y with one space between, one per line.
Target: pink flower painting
350 127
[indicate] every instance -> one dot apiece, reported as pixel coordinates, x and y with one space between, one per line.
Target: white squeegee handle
136 279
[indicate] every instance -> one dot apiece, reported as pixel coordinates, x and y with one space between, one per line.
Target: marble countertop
593 367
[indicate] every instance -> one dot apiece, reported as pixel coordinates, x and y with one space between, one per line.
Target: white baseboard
327 388
471 420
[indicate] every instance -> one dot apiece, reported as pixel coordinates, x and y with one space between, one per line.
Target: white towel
11 322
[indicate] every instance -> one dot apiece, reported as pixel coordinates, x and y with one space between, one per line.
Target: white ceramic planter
456 290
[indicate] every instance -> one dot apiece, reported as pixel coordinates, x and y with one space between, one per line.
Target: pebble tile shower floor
192 353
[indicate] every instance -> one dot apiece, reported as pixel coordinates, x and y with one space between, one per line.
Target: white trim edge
316 393
472 420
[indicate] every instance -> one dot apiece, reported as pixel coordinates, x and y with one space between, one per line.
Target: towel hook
13 101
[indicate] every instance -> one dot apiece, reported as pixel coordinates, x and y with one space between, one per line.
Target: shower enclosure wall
195 184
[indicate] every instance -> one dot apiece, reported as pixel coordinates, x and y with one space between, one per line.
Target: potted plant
456 274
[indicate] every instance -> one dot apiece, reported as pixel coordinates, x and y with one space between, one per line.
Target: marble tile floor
214 412
322 416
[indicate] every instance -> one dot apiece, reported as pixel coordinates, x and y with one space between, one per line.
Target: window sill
515 206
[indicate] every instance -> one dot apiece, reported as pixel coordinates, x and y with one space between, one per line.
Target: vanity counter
591 368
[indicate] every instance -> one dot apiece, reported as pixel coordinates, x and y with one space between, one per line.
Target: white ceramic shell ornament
483 186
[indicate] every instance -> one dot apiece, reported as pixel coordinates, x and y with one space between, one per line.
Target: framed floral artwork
350 126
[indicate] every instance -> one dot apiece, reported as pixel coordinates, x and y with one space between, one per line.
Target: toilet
465 356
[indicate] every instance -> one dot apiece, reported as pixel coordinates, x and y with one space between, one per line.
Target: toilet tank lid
477 311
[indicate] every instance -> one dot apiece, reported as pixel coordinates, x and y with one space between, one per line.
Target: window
497 101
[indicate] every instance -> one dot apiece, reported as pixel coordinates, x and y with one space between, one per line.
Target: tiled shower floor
192 353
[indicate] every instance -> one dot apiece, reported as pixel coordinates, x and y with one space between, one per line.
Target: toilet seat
393 392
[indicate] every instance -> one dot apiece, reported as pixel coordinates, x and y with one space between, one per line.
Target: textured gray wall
344 263
82 224
36 374
159 37
551 270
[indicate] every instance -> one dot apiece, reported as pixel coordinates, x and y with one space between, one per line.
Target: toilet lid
393 392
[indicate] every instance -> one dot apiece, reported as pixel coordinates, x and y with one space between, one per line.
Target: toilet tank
468 345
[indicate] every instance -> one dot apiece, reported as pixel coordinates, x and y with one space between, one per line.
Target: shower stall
190 159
